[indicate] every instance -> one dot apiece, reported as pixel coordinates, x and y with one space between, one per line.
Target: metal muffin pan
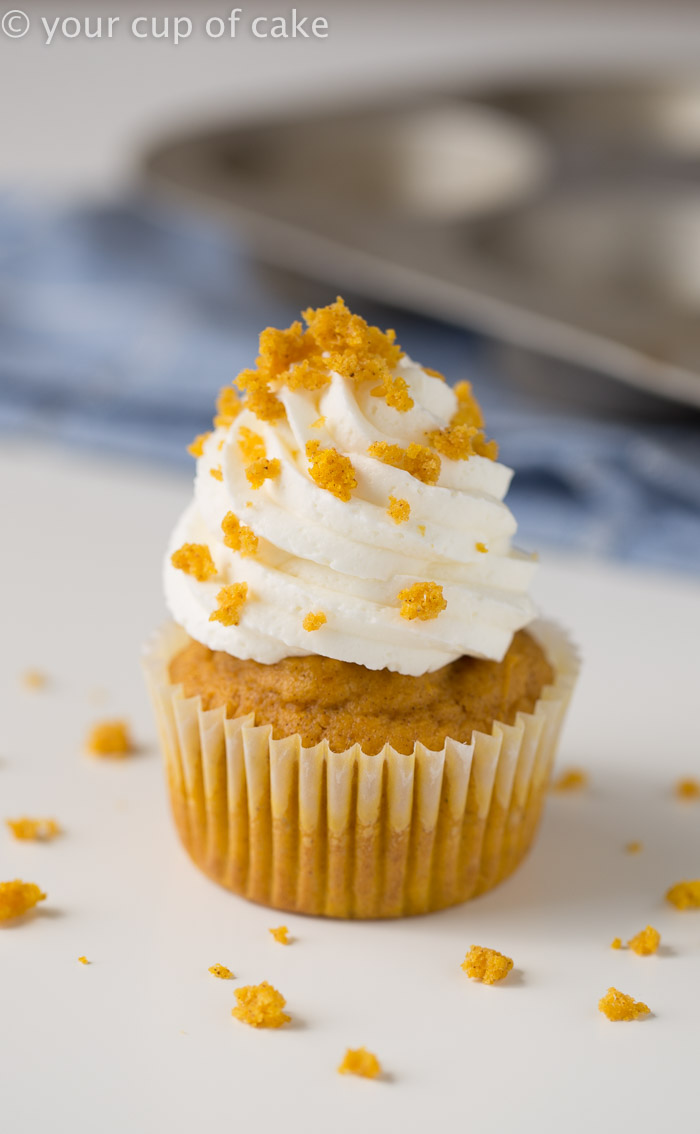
564 220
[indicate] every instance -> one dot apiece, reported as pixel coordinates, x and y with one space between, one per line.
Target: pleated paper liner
345 834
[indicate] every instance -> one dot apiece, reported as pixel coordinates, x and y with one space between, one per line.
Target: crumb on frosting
34 679
422 600
231 600
17 898
228 407
398 509
196 447
481 547
434 373
221 972
237 536
318 423
394 390
486 965
314 620
216 472
250 444
618 1005
459 442
688 788
418 460
331 470
260 1006
40 830
571 779
110 738
421 529
685 895
360 1061
468 410
281 935
194 559
261 470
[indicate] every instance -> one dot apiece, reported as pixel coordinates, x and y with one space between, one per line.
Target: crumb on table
39 829
17 898
645 942
221 972
110 738
616 943
688 788
34 679
260 1006
634 847
571 779
618 1005
83 960
360 1061
685 895
487 965
281 934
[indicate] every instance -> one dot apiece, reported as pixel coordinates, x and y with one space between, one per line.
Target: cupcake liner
346 834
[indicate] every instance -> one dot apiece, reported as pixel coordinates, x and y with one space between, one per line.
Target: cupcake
357 712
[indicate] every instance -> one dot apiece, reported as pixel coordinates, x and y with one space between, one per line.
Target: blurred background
515 188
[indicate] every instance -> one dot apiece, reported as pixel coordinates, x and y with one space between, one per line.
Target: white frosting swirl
350 559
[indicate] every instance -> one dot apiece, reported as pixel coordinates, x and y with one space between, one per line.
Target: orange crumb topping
394 390
196 447
331 470
360 1061
237 536
194 559
398 509
481 547
486 965
110 738
260 1005
216 473
261 470
616 943
314 620
685 895
634 847
688 789
468 410
418 460
251 444
318 423
281 934
34 679
571 779
228 406
421 529
221 972
16 898
40 829
231 601
618 1005
435 373
459 442
83 960
422 600
645 942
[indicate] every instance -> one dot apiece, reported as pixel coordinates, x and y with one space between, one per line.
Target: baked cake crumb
634 847
481 547
251 444
83 960
360 1061
221 972
571 779
459 442
314 620
398 509
110 738
34 679
281 934
422 600
418 460
421 529
260 1005
194 559
261 470
685 895
318 423
17 898
616 943
688 789
331 470
468 409
394 390
196 447
645 942
618 1005
40 829
216 473
237 536
231 601
486 965
228 407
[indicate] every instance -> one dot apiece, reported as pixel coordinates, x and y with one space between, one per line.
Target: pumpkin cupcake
354 719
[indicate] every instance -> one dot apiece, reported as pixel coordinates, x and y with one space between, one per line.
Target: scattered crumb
260 1005
685 895
645 942
618 1005
221 972
634 847
486 965
110 738
398 509
40 829
196 447
468 409
231 601
194 559
281 934
251 444
437 374
422 600
481 547
83 960
394 390
34 679
318 423
314 620
261 470
418 460
421 529
237 536
331 470
16 898
571 779
459 442
688 789
360 1061
228 406
616 943
216 473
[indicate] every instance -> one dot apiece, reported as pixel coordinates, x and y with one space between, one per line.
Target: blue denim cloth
119 324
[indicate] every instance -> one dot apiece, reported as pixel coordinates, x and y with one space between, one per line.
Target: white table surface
142 1039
